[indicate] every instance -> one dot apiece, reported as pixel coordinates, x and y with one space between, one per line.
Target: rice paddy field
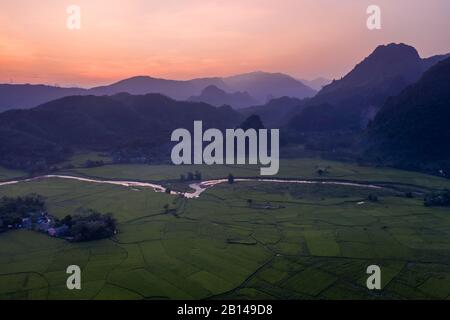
247 240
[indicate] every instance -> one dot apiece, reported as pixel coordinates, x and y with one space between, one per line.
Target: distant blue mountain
260 85
218 97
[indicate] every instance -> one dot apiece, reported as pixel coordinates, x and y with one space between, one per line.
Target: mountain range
218 97
402 98
261 86
264 86
352 101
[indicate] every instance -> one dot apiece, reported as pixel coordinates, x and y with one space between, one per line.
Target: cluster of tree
196 176
91 225
30 212
14 210
437 199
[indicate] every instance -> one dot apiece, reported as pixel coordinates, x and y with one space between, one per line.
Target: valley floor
243 240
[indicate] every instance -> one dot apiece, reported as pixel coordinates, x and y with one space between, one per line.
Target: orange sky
183 39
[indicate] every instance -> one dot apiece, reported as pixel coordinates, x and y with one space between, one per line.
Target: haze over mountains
218 97
24 96
393 79
261 86
317 83
175 89
265 86
352 101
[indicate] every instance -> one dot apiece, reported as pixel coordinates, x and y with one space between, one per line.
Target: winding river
197 188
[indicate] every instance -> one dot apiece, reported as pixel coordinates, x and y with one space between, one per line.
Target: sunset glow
198 38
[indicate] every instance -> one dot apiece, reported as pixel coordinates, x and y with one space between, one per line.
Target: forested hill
412 130
352 101
137 124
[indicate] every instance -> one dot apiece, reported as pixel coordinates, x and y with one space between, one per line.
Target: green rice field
247 240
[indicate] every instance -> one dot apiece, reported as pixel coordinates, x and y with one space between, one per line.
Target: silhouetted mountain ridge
259 85
412 129
25 96
265 86
176 89
218 97
351 102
